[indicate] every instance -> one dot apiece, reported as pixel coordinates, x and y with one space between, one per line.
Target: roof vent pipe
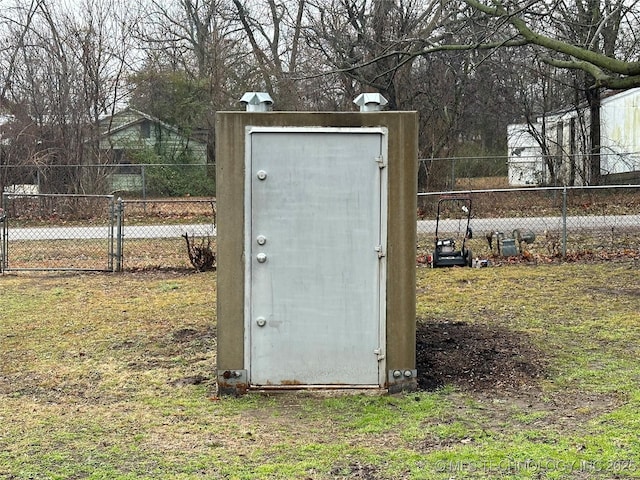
370 102
257 101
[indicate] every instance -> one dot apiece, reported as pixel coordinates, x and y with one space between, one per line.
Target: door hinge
380 251
381 161
379 353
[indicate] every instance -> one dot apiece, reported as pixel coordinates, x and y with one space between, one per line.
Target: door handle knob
261 257
261 321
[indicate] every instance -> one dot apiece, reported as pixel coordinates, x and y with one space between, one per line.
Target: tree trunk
593 98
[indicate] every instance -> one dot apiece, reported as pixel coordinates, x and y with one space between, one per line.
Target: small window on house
145 129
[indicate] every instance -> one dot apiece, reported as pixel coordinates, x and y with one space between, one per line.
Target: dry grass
61 254
138 254
162 211
112 376
481 183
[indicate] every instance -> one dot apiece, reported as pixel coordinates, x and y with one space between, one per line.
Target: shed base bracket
402 380
232 382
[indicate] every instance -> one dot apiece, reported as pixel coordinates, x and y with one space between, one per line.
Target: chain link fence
460 173
58 232
101 232
537 223
155 232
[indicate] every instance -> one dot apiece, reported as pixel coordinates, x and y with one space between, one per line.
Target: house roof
137 118
606 97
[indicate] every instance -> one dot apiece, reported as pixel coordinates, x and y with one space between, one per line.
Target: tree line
469 67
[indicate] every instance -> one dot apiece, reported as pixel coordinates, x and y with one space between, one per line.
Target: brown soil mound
475 357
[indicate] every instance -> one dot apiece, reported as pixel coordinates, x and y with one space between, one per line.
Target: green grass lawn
112 376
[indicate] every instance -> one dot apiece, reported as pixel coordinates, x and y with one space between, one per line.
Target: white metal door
315 264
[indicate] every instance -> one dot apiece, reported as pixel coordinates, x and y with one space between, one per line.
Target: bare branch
587 59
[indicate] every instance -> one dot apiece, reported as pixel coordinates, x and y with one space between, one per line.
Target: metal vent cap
257 101
370 102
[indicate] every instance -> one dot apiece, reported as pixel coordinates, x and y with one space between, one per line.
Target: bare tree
16 133
588 40
586 36
273 31
464 106
198 38
66 69
366 41
194 63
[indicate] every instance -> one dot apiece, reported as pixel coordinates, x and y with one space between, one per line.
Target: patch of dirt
476 357
497 374
193 348
356 470
190 380
185 334
159 272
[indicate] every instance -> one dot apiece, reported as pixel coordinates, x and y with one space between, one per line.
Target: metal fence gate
59 232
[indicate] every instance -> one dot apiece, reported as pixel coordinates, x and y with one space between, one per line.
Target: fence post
564 222
453 174
143 174
119 231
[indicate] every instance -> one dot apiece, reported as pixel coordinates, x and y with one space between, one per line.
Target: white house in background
526 164
566 135
130 131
